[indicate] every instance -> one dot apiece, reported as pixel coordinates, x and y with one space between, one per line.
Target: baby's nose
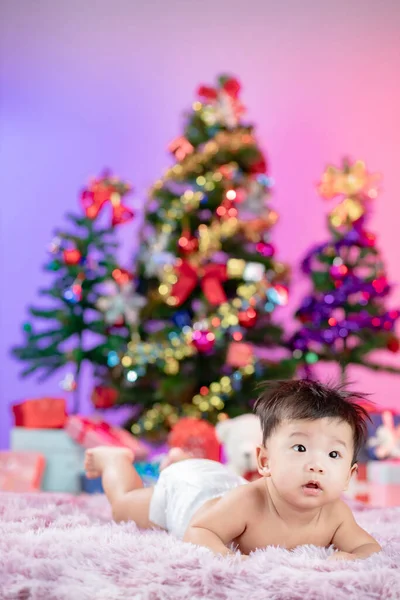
315 468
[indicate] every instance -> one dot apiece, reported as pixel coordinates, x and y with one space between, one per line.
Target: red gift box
92 432
40 413
21 471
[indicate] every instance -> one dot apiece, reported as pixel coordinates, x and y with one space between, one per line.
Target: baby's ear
353 471
222 430
262 461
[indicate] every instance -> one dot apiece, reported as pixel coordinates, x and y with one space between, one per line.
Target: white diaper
183 487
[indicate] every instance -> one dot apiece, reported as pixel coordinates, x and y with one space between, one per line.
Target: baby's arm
350 539
223 522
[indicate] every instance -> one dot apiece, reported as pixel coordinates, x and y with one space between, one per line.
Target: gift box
384 471
40 413
64 458
21 471
92 432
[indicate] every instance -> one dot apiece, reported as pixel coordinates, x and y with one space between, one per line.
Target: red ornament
188 244
393 345
196 437
122 276
203 341
260 166
72 257
104 397
247 318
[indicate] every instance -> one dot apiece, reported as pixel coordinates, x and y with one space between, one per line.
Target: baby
311 436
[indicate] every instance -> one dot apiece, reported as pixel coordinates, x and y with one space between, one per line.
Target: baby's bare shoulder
337 512
248 495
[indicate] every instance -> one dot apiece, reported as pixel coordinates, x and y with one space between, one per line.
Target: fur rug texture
66 548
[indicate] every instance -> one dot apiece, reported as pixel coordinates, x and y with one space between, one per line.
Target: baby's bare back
264 527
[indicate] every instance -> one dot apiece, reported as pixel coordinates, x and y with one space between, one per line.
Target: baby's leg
129 500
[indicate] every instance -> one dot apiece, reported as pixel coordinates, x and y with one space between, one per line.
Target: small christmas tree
80 324
209 272
345 317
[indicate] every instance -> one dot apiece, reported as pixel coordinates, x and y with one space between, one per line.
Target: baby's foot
96 459
173 456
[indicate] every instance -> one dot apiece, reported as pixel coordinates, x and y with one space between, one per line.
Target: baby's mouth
313 485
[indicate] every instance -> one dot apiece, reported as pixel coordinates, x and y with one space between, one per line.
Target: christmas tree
208 270
91 303
345 317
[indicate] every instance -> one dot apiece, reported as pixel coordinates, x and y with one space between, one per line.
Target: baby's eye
334 454
299 448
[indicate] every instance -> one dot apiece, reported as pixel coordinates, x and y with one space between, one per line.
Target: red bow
102 191
99 426
210 278
230 86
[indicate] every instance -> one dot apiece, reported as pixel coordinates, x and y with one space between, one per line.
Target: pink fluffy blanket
66 548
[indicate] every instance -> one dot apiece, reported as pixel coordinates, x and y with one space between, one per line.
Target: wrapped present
64 458
90 432
40 413
21 471
384 472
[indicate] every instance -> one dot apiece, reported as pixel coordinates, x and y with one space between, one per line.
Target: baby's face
310 461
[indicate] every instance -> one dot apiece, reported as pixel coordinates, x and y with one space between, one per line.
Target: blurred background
89 85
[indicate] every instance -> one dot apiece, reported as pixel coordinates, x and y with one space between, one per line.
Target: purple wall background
89 84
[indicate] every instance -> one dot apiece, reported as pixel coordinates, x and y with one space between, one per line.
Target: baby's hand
342 556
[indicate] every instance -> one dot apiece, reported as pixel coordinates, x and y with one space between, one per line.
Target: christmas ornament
121 276
222 104
104 397
68 383
393 345
180 147
239 354
265 249
247 318
210 278
55 245
72 257
203 341
107 190
188 244
121 304
350 180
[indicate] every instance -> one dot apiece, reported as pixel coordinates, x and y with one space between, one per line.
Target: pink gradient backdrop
89 84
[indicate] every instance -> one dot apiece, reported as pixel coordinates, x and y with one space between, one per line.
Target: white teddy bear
240 437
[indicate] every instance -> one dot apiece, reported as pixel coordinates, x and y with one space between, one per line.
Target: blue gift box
64 458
